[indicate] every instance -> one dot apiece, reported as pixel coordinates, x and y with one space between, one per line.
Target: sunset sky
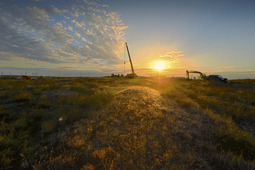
86 38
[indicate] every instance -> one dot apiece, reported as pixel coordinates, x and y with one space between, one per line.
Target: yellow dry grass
117 123
140 129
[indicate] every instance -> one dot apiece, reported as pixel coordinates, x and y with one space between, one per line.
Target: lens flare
60 119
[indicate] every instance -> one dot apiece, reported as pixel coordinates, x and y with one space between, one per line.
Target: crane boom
130 60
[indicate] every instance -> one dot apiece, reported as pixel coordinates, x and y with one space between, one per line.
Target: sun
160 65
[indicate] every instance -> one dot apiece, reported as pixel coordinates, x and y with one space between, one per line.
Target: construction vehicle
25 77
131 75
202 76
217 78
210 77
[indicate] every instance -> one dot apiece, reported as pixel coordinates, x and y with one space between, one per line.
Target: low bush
232 139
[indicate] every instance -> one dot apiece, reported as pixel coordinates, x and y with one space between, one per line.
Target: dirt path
140 130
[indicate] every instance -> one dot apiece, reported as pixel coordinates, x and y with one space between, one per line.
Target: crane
132 75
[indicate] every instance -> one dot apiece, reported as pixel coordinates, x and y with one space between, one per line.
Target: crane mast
132 68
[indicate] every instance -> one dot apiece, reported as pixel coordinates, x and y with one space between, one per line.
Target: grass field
119 123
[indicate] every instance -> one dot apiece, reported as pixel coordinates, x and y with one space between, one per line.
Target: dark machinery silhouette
203 76
210 77
131 75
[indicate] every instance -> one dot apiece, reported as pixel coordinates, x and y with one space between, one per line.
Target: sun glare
160 65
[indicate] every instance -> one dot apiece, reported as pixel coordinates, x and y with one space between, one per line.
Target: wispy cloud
229 67
16 45
173 55
77 35
86 32
60 71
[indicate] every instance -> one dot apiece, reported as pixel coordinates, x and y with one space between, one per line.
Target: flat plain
120 123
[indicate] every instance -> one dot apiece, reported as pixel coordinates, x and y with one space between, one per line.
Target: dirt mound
138 130
144 92
140 101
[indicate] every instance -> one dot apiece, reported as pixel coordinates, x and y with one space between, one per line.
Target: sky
86 37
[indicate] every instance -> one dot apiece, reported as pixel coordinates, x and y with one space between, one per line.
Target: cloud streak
14 45
173 55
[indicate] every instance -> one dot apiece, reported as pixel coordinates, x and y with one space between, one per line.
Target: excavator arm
203 76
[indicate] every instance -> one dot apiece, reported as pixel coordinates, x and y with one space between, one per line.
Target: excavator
210 77
203 76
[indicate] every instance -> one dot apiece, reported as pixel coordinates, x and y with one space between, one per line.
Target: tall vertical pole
124 60
130 60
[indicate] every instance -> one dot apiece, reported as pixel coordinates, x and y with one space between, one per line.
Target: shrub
231 138
47 126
